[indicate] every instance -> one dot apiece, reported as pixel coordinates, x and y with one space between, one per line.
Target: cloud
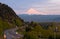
55 1
46 7
19 12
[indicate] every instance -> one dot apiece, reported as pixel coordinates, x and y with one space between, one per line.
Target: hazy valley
40 18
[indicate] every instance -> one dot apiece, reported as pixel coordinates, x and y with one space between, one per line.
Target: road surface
11 34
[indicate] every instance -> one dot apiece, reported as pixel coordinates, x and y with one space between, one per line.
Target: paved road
11 34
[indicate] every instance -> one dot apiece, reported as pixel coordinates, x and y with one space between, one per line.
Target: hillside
8 18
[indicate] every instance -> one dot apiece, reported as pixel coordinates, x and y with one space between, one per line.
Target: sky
43 7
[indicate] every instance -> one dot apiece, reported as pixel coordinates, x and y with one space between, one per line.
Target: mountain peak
32 11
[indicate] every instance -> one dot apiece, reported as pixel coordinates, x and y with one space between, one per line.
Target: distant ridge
40 18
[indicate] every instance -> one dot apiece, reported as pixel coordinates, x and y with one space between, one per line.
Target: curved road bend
11 34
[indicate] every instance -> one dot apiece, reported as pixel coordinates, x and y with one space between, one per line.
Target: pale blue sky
47 6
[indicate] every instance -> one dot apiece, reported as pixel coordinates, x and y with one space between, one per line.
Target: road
11 34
